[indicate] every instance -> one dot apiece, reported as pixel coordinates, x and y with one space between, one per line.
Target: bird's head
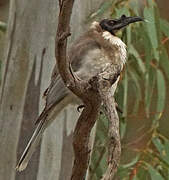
113 25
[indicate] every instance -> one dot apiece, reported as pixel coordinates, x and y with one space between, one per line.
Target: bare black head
113 25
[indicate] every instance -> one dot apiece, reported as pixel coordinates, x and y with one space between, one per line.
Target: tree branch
63 31
81 88
62 61
107 83
92 93
114 148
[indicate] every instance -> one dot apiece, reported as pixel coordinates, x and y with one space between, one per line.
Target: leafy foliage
141 95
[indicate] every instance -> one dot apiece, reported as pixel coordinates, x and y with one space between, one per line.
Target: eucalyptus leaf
135 178
136 80
151 3
164 25
155 175
144 76
140 63
166 153
150 81
125 85
164 61
161 89
104 7
121 11
156 141
132 163
149 15
123 125
129 35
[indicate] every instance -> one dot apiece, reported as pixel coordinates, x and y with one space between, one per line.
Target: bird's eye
112 22
123 16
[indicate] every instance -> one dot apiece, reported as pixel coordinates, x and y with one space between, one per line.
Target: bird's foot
80 107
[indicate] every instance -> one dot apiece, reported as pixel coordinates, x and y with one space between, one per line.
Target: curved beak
124 21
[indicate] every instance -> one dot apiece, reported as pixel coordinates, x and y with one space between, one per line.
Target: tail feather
31 146
43 121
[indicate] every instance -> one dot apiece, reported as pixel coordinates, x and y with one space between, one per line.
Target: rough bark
92 93
106 86
81 88
114 148
4 6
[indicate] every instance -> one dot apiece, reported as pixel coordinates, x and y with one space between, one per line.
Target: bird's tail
44 120
31 146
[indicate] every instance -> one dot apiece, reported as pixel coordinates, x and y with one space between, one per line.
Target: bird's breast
92 63
118 47
110 51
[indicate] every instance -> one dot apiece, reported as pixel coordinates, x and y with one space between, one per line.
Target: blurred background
26 29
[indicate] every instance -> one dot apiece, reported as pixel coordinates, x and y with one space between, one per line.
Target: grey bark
4 6
31 29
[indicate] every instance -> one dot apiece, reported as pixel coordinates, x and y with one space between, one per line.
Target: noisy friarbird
89 55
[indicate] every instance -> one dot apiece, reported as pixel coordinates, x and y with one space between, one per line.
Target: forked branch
92 93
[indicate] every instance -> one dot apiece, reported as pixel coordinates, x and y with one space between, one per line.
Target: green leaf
104 7
123 125
125 85
97 166
161 89
151 3
121 11
129 35
164 61
132 163
135 5
134 52
142 174
123 173
147 46
135 78
164 26
150 80
168 175
166 153
135 178
162 149
149 15
156 141
155 175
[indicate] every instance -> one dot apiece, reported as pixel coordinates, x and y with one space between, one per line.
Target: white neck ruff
114 40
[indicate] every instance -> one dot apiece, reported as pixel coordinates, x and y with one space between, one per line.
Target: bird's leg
80 107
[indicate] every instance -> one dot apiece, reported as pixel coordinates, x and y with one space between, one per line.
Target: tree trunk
29 60
4 6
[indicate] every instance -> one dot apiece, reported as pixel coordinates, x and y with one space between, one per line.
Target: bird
90 54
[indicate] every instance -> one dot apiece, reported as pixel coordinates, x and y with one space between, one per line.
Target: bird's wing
77 55
57 94
54 94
